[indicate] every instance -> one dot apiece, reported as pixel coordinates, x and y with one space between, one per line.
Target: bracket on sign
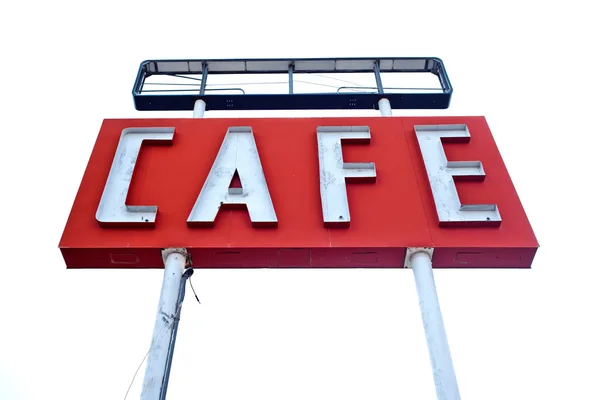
413 250
180 250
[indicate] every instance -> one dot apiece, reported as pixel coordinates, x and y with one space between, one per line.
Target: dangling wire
192 286
136 372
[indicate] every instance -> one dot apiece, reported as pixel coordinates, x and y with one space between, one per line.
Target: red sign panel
391 180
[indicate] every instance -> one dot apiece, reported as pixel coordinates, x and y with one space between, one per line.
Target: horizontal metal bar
300 101
310 65
191 90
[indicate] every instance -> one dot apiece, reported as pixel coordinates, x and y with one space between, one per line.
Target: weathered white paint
333 171
419 259
175 260
441 173
238 152
112 208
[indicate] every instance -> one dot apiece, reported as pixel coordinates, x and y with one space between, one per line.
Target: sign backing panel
388 215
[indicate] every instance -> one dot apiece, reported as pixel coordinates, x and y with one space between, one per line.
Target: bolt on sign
297 192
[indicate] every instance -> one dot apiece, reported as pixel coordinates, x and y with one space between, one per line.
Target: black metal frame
291 100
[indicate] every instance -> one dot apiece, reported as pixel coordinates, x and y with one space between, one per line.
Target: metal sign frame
358 98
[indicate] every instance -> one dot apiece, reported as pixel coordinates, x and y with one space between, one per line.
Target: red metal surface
395 212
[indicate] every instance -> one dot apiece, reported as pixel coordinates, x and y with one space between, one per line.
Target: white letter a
238 152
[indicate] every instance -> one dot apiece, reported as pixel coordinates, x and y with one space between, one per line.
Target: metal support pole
166 316
378 77
291 78
188 272
204 77
419 259
385 107
199 108
200 105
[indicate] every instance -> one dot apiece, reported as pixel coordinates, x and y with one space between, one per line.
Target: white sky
529 67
